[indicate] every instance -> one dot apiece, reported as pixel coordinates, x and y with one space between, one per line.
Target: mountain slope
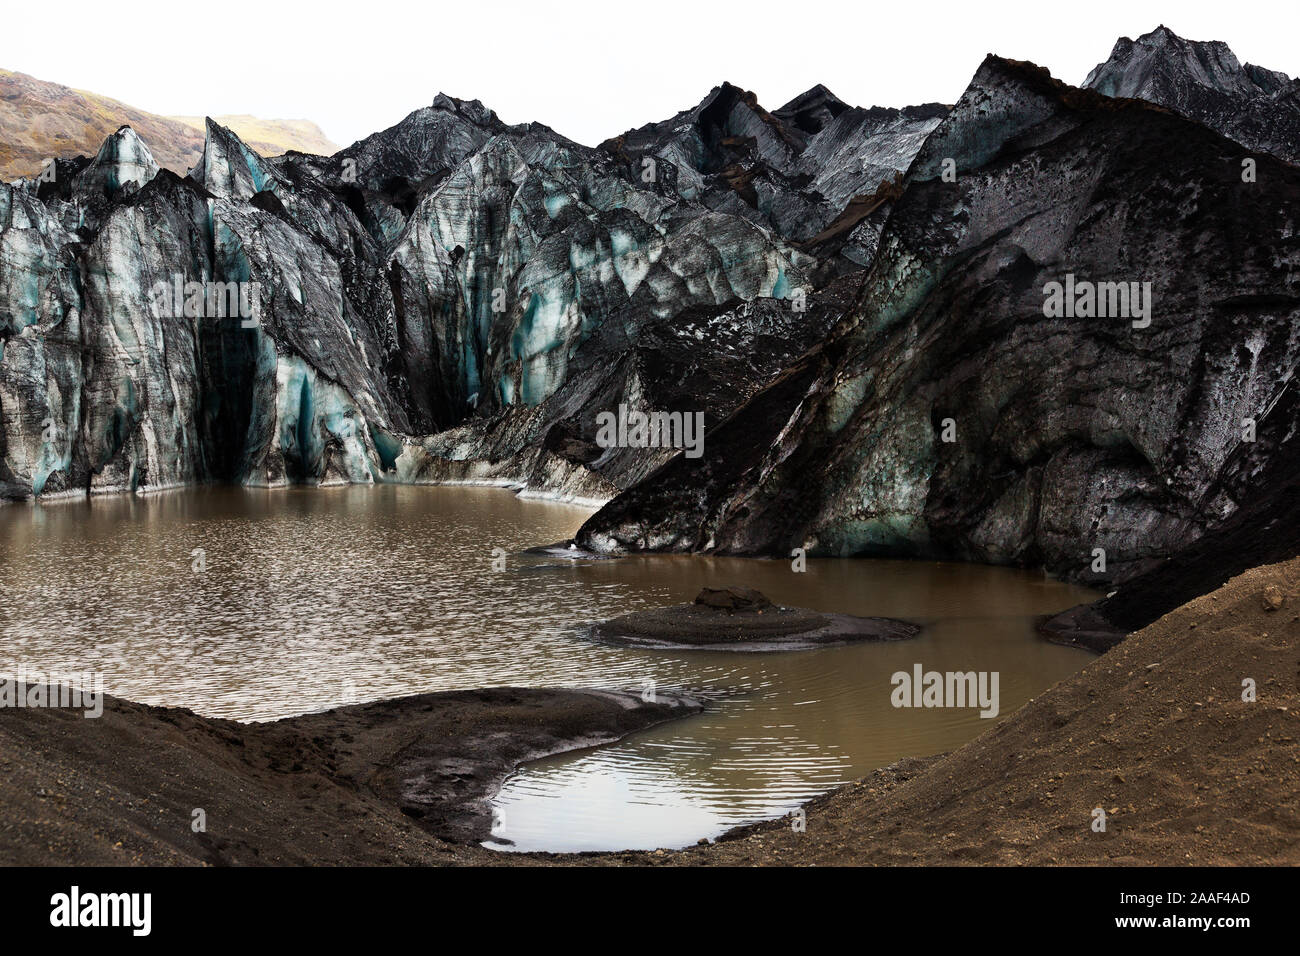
41 120
949 416
794 169
271 137
1258 108
452 282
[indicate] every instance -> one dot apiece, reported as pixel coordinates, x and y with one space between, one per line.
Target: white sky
588 69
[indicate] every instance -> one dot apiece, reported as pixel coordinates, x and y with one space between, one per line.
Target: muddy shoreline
403 781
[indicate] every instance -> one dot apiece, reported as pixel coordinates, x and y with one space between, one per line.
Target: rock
733 598
947 416
794 170
123 161
740 619
1271 598
433 302
228 168
1258 108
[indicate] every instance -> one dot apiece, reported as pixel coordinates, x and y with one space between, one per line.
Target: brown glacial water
256 605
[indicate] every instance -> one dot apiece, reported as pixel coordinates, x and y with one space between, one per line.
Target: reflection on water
312 598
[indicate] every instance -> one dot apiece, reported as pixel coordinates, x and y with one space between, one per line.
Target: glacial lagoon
260 604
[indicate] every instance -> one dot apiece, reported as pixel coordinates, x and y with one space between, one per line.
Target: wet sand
370 784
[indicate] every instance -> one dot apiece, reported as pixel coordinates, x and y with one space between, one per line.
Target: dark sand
369 784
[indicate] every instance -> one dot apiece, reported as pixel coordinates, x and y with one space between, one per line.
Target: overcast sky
588 69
